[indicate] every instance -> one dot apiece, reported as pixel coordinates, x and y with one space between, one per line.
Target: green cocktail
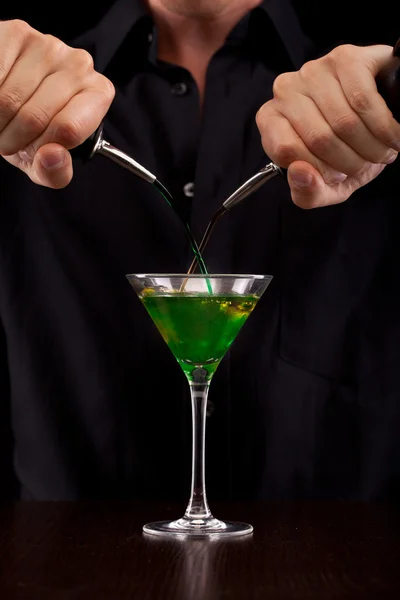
199 317
198 328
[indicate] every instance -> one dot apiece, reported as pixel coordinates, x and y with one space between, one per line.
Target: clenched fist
51 100
329 126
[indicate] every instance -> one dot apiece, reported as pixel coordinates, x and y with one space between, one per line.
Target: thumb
309 190
50 167
377 57
306 185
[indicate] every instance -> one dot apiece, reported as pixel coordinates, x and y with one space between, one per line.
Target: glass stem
198 508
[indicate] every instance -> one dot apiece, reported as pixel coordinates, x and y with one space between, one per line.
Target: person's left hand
329 126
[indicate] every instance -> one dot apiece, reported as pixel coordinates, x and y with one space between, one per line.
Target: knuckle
341 53
22 32
319 142
55 48
33 122
359 100
68 134
20 27
345 124
104 86
284 154
330 60
10 102
260 115
310 69
109 89
281 84
82 59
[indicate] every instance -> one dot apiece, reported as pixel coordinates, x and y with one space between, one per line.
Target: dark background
324 21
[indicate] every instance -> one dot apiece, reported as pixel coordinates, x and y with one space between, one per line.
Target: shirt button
188 189
179 89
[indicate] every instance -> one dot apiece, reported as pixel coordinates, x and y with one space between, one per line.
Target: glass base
198 528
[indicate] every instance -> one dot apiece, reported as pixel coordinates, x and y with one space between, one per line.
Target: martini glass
199 317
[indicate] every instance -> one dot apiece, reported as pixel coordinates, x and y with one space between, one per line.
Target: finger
345 122
10 48
26 75
32 119
308 189
51 167
316 133
378 56
75 122
361 92
283 145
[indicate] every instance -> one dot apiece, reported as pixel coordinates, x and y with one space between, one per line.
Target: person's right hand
51 100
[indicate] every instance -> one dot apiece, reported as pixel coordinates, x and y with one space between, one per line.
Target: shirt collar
107 36
287 25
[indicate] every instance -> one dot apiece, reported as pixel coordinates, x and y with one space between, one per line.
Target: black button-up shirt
306 402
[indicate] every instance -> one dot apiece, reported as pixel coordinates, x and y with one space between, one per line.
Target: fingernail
337 178
29 153
301 179
25 156
391 158
52 162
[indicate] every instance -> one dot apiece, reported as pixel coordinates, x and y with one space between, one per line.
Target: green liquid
193 244
198 328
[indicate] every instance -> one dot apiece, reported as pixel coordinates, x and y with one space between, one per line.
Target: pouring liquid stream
197 251
198 259
247 188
